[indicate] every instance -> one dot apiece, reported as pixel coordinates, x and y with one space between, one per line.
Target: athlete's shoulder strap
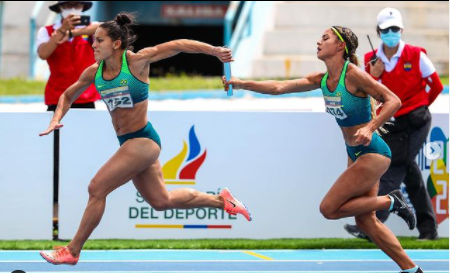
323 82
344 72
99 73
125 68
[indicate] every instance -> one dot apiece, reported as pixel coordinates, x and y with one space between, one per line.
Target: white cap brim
391 23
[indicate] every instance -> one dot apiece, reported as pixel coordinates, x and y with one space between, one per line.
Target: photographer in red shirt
67 47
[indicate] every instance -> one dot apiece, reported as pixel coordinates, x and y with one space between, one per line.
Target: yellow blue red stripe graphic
186 226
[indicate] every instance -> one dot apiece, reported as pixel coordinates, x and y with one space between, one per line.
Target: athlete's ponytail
354 59
120 29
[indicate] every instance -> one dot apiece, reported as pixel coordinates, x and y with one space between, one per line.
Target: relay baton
227 69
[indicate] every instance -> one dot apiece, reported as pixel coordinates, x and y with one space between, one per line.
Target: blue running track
224 261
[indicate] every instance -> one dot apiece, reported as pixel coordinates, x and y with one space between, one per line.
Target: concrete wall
283 35
15 41
290 47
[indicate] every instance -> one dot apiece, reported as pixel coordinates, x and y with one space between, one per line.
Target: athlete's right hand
54 125
235 82
70 22
224 54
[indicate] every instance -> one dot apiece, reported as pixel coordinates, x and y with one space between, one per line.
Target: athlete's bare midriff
130 120
349 134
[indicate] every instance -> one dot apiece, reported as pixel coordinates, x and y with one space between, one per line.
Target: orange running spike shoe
234 206
59 256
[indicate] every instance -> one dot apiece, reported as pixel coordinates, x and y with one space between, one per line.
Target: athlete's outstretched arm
69 96
391 103
308 83
172 48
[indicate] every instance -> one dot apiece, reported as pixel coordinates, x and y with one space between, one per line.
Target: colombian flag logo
407 66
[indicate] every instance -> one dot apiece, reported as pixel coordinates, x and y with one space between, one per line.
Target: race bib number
119 97
334 107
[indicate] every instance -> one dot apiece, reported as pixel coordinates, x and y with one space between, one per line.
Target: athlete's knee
328 211
95 190
161 204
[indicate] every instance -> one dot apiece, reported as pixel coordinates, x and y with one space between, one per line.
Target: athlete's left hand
364 136
54 125
224 54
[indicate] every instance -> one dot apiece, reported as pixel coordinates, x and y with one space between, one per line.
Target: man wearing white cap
406 70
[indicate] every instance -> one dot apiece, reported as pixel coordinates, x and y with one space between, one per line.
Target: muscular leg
382 236
150 184
132 157
357 178
346 196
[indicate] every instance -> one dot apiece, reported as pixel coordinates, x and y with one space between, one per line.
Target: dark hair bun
123 19
120 29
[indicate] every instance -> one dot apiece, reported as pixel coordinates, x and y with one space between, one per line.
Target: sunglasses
386 30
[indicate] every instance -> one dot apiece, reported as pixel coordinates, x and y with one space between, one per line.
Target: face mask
391 39
66 12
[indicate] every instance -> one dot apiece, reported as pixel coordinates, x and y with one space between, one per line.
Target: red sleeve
436 87
50 30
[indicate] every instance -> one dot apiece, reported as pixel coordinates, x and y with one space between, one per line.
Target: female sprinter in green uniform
347 92
121 77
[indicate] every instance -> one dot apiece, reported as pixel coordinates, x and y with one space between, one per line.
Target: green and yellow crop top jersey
348 109
124 91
